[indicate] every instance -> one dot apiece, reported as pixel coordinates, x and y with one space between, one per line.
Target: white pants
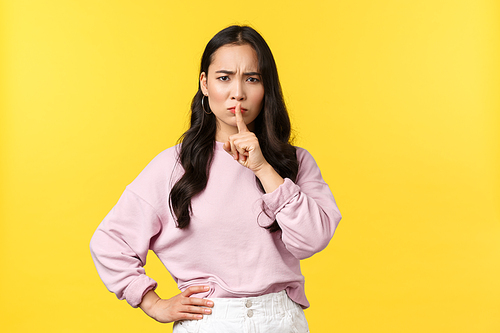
275 313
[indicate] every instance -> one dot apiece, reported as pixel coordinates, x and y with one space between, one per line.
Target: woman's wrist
148 302
269 178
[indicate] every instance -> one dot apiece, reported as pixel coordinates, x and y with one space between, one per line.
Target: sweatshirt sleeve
120 245
306 210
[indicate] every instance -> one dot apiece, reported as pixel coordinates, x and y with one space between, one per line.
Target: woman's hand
179 307
245 148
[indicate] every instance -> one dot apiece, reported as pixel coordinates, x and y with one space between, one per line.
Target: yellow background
398 101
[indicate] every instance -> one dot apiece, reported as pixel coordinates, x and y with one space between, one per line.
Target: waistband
275 304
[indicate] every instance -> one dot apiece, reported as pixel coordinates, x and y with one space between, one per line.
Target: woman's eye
223 78
253 79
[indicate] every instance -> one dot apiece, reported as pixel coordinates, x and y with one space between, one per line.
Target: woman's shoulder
303 154
168 156
160 170
164 160
308 168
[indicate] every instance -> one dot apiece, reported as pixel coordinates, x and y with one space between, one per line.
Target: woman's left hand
245 148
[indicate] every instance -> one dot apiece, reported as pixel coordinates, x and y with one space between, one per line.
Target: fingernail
199 316
208 311
210 303
206 288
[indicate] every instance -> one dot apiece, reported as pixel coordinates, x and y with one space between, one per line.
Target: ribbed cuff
276 200
138 288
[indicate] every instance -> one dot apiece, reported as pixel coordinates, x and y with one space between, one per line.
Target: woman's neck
224 131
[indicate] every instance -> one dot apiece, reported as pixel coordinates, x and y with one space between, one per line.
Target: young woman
230 211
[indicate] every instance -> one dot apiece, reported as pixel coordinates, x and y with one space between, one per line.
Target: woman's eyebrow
251 73
231 72
224 72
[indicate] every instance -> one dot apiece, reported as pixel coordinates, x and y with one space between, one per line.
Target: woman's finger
241 146
234 150
197 301
196 309
242 127
188 316
227 147
195 290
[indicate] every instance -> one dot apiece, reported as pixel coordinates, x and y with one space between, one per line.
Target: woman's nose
238 92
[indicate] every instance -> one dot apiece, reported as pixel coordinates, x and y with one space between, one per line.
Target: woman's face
233 76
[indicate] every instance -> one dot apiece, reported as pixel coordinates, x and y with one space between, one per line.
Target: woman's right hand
179 307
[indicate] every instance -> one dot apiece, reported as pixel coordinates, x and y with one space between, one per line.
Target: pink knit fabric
225 245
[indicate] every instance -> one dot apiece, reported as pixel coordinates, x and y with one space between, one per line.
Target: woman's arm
119 248
306 210
120 245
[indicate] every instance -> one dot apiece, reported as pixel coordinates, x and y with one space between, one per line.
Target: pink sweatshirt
225 245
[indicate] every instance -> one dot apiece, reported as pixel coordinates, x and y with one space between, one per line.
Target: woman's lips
233 109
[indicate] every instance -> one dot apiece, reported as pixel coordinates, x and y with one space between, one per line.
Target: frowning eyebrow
231 72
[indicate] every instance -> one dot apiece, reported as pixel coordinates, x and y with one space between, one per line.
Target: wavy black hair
272 127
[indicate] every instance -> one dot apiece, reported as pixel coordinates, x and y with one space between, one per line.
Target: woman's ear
203 84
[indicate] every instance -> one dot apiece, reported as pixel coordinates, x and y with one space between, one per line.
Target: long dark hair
272 127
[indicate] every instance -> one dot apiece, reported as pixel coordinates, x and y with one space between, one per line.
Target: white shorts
275 313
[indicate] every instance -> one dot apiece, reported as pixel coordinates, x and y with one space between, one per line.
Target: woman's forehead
235 58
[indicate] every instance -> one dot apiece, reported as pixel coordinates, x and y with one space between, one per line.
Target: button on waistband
248 303
250 313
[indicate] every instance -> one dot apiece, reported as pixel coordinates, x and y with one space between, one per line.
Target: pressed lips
233 109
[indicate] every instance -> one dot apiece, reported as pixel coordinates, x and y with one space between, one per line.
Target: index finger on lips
239 119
